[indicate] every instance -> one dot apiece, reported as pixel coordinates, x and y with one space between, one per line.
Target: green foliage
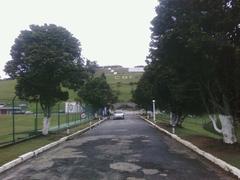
97 93
91 67
143 95
194 56
45 58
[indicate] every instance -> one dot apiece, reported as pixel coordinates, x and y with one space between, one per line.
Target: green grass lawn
25 125
9 153
190 126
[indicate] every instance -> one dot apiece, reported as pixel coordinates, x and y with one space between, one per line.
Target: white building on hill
136 69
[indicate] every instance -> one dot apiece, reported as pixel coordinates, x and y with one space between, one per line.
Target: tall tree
43 59
97 93
196 45
175 87
143 94
91 67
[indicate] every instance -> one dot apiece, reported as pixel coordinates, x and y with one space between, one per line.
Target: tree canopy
97 92
44 59
194 57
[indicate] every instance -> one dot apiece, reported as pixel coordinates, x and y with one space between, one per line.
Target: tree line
194 63
47 58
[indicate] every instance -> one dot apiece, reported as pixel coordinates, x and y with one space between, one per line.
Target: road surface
127 149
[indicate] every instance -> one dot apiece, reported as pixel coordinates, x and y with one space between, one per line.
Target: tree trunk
228 132
46 120
46 125
213 118
174 118
229 136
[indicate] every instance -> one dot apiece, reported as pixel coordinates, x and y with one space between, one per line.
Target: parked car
28 112
118 114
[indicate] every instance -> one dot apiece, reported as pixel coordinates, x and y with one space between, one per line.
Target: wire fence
20 120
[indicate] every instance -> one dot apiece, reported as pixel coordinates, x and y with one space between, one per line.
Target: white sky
110 31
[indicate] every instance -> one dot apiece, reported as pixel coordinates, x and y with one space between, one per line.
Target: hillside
123 83
7 90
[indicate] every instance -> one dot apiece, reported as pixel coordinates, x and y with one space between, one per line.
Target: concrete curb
34 153
224 165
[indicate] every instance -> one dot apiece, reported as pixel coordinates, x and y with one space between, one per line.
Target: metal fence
20 120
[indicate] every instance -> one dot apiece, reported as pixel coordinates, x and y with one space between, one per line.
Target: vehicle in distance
118 114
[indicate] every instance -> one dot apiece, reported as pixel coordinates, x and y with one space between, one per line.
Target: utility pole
154 113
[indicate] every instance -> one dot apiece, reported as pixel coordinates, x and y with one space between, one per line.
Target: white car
118 114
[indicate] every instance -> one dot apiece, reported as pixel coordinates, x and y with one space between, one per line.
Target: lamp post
154 117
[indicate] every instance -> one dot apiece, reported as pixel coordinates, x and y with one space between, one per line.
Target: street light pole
154 116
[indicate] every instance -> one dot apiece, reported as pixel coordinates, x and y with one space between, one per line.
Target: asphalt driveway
118 149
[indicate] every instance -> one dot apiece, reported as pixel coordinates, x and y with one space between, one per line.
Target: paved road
118 149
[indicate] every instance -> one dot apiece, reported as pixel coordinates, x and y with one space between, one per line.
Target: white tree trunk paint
213 118
173 119
228 131
46 124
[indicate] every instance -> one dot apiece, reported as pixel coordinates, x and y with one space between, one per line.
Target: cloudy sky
110 31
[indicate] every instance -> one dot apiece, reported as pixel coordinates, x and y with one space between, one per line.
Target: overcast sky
110 31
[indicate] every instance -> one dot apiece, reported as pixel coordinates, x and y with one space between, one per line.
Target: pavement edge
34 153
224 165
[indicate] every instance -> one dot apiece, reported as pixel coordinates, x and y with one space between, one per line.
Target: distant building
141 66
136 69
113 66
73 107
9 110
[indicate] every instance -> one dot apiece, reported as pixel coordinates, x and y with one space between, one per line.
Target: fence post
68 119
75 118
36 118
13 118
58 115
80 118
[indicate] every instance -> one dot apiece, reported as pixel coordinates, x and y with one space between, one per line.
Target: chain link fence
20 120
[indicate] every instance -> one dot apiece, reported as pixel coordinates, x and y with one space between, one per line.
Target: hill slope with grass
7 90
121 81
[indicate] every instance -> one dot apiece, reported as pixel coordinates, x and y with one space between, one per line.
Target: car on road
118 114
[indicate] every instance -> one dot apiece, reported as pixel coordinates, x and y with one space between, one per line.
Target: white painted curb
224 165
26 156
10 164
34 153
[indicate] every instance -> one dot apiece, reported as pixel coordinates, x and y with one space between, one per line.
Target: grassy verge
13 151
193 130
25 124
